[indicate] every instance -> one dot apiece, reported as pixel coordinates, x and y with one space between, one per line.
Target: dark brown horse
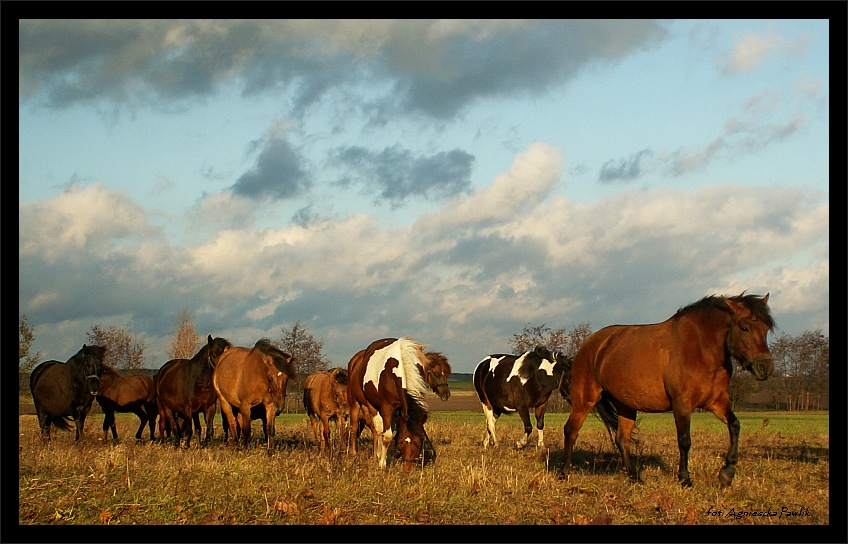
66 390
248 377
386 381
135 393
325 399
184 390
680 364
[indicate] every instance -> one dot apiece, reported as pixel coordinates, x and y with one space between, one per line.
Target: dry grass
783 464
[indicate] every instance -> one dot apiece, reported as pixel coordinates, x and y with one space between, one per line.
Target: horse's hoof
725 476
686 482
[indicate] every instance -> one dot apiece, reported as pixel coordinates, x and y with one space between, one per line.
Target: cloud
279 173
625 169
463 278
433 67
752 50
395 174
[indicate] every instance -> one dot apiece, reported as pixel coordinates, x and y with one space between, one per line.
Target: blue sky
450 181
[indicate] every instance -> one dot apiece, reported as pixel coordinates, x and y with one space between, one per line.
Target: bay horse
135 393
680 364
386 382
184 390
518 383
66 390
249 377
325 399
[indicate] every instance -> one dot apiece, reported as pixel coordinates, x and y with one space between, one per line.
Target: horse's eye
743 328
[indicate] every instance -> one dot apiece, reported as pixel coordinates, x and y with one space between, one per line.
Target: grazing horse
510 383
135 393
325 399
249 377
184 389
386 382
680 364
66 390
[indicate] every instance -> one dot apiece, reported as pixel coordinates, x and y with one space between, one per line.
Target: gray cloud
279 173
396 174
434 67
624 169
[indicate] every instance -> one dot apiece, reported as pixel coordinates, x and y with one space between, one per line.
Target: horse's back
231 373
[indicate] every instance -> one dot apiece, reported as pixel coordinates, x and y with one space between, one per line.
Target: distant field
783 468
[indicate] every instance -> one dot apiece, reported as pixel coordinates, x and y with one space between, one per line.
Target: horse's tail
62 422
608 413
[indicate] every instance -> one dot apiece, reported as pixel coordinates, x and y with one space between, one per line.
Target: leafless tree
123 349
186 341
26 362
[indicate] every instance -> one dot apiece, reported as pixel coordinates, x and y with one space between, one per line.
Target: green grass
784 463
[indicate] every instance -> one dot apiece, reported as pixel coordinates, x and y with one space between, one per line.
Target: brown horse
386 381
184 389
134 393
680 364
245 378
436 372
66 390
325 399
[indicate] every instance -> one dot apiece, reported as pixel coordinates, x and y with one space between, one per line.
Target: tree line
800 380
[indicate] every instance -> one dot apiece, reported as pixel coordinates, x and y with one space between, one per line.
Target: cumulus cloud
477 269
396 174
435 67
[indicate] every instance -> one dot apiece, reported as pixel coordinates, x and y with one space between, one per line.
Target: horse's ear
209 339
542 352
765 299
735 307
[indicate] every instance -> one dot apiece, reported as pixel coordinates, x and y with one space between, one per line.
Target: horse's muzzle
761 366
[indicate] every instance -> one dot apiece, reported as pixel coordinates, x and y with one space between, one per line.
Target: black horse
66 390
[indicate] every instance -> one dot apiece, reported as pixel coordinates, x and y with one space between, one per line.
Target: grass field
783 470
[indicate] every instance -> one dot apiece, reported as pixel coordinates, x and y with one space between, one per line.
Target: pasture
783 472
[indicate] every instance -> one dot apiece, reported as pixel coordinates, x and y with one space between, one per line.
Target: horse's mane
753 302
412 354
97 351
439 358
204 351
282 360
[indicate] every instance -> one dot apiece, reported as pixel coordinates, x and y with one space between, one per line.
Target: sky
448 180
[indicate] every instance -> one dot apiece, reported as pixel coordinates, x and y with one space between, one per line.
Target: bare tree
186 341
305 349
560 339
123 350
26 362
802 371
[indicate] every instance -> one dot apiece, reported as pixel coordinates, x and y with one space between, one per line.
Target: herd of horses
678 365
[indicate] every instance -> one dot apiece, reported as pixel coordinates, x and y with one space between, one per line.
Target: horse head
410 440
280 369
214 348
750 323
89 364
436 370
339 383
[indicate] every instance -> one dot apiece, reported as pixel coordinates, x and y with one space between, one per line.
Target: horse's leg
229 422
491 419
209 416
582 402
683 422
270 423
377 431
244 415
354 428
325 426
524 413
313 422
626 423
152 412
107 424
142 417
80 423
540 424
721 409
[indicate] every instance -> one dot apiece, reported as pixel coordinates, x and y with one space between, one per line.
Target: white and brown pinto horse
386 387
